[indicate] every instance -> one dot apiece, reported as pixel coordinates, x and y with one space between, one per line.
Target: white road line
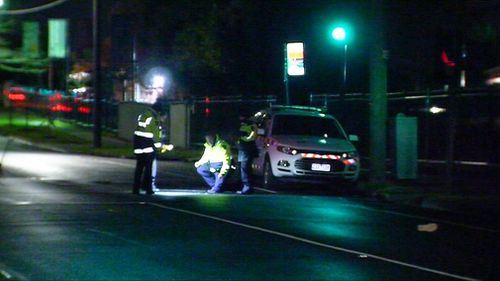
115 237
5 274
14 202
266 190
422 218
116 163
312 242
411 216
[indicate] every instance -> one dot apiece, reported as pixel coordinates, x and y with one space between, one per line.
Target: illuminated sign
31 38
58 29
295 59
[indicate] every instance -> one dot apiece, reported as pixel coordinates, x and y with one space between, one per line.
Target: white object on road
430 227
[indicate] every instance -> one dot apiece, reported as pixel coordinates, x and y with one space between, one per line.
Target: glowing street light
158 81
339 34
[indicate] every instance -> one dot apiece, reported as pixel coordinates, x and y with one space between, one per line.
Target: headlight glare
287 150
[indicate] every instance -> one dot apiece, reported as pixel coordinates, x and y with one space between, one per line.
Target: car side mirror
261 132
353 138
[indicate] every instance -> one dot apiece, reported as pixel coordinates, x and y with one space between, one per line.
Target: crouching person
214 165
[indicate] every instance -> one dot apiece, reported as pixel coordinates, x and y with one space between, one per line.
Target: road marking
14 202
5 274
181 192
409 216
116 163
8 274
111 235
266 190
424 218
312 242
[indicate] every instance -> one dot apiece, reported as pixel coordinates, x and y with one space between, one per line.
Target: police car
297 142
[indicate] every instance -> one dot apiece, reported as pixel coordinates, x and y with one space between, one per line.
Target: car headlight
287 150
350 155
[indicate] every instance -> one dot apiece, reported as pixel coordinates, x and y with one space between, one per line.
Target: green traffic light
339 34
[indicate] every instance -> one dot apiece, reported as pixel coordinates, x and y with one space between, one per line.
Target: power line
32 10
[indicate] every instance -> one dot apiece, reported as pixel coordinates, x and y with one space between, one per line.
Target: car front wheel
268 179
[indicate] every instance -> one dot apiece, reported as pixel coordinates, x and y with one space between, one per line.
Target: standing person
147 140
163 137
247 150
215 162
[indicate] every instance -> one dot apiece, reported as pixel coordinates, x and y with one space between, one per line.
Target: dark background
223 47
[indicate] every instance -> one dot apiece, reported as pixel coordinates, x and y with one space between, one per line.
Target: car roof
296 110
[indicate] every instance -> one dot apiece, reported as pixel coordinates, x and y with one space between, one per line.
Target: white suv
303 143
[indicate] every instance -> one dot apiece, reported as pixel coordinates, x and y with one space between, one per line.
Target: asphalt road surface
72 217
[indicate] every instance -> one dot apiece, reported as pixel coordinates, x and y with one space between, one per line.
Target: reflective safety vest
246 143
147 135
248 132
219 152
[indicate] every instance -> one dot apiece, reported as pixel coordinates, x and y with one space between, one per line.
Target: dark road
72 217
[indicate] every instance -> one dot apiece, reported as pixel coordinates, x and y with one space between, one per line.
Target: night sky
416 33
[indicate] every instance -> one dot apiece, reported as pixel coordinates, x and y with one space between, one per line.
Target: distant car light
350 155
17 97
436 110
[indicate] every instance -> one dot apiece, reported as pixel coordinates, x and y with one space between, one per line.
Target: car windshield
306 125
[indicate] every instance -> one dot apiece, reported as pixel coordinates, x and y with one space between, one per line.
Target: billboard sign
58 30
31 39
295 59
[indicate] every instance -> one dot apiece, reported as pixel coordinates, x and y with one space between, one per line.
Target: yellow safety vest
219 152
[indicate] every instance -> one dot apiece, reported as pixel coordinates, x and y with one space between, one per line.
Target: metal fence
475 112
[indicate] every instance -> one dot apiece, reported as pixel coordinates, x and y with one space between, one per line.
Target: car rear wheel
268 179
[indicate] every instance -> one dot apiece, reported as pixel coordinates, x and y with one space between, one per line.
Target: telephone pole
378 95
97 113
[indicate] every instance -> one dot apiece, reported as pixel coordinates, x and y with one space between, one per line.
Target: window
306 125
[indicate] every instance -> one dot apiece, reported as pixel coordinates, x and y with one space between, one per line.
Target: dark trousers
213 179
143 168
246 173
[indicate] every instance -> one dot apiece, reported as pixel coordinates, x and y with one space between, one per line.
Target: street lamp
158 81
339 34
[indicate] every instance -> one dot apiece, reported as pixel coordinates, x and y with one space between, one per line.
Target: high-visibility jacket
248 132
219 152
147 135
246 143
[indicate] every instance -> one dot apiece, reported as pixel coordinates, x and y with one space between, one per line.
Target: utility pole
285 75
97 113
378 96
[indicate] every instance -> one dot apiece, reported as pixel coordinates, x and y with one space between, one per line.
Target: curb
42 146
